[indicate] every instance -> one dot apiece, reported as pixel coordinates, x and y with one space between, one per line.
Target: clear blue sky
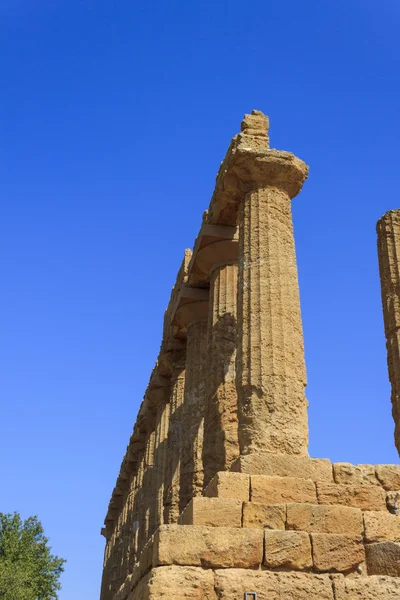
114 117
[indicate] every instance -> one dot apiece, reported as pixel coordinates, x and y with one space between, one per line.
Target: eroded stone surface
287 549
271 375
381 527
354 474
268 516
213 547
231 584
366 588
388 476
213 512
335 552
366 497
285 465
278 490
229 485
383 558
393 502
324 519
170 583
388 229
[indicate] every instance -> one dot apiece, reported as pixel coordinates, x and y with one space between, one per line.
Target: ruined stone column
271 375
221 446
160 457
136 512
193 317
106 578
388 229
173 443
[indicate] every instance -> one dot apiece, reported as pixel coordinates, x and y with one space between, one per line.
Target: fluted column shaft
173 444
388 229
160 456
271 374
193 412
221 446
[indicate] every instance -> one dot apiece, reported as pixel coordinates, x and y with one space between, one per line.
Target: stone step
269 489
212 512
226 484
194 583
366 497
311 518
228 547
285 465
211 547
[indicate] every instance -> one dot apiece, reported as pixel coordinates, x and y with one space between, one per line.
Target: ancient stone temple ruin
217 497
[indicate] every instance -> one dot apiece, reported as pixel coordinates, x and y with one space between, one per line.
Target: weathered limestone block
393 502
287 549
336 552
231 584
366 588
366 497
316 518
381 527
268 516
271 375
388 229
171 583
229 485
212 512
285 465
221 445
278 490
383 558
388 476
191 465
354 474
256 124
213 547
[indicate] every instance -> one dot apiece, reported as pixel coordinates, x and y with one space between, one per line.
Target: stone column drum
271 375
221 445
388 229
193 317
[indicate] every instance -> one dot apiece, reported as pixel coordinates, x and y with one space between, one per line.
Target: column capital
250 164
221 253
190 313
191 306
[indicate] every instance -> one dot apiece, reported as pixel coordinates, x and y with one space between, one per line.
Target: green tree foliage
28 570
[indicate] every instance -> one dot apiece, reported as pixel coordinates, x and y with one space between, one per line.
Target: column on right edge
271 374
388 229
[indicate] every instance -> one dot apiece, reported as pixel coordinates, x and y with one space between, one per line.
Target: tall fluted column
271 374
160 456
136 513
174 441
193 410
221 445
388 229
